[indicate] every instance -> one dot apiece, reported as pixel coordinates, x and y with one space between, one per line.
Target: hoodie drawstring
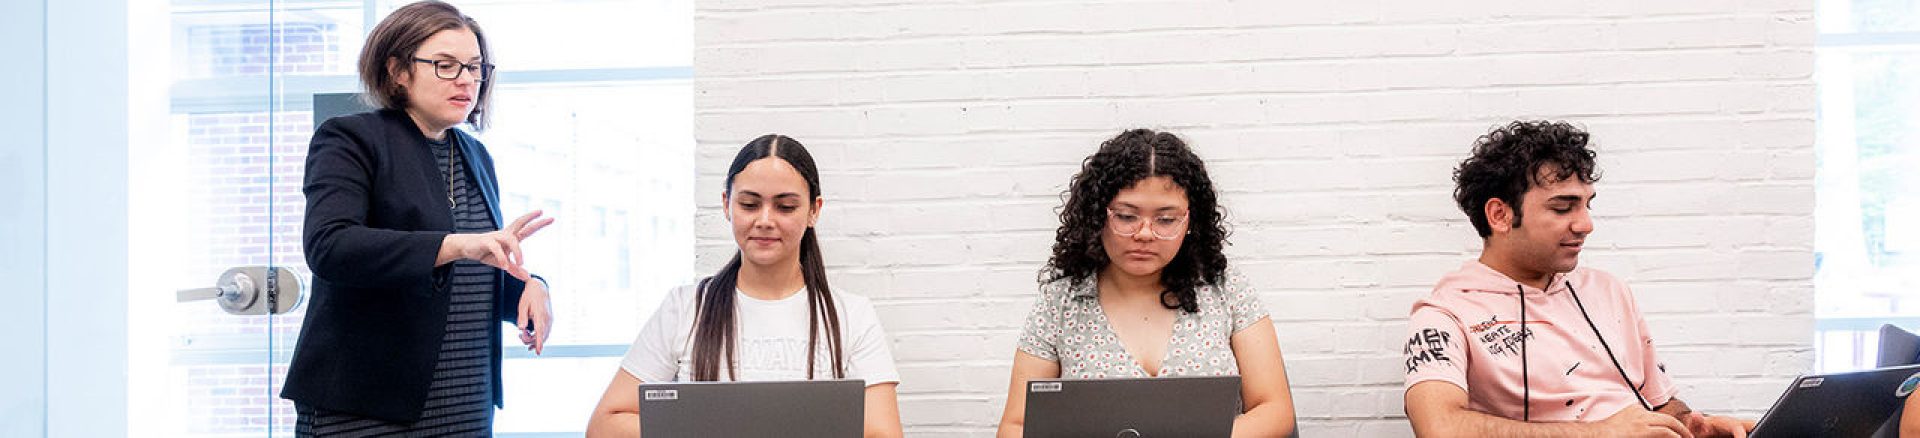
1603 344
1526 387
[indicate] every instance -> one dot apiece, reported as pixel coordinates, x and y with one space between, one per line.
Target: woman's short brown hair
397 38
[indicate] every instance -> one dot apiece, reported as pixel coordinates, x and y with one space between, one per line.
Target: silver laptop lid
811 408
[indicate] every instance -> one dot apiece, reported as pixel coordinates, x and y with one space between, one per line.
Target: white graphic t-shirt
772 341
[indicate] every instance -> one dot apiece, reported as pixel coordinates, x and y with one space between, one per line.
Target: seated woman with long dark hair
767 315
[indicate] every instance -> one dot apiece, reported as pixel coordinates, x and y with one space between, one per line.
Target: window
1867 219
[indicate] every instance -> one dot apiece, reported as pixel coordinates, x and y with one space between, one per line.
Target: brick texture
947 129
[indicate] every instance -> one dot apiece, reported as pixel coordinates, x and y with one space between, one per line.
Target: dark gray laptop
809 408
1850 404
1898 346
1131 408
329 105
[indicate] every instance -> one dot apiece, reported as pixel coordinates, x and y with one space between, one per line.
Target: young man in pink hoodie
1522 342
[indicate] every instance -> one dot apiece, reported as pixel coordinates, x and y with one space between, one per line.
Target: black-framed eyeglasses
450 69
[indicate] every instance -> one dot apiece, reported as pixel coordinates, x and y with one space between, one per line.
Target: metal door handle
251 290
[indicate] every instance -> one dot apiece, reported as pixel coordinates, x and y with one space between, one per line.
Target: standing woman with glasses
414 268
1138 287
768 314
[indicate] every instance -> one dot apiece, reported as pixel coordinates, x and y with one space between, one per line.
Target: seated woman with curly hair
1138 287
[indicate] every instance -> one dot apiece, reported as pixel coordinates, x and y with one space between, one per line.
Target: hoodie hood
1476 277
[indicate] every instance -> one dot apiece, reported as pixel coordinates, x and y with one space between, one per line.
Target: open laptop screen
1897 347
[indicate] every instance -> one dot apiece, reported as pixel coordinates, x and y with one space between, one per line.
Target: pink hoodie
1468 333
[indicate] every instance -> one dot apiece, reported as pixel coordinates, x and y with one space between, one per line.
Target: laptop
1133 408
1840 404
328 105
1898 346
809 408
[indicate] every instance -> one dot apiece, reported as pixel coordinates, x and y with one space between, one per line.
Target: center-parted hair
1508 161
715 329
1126 159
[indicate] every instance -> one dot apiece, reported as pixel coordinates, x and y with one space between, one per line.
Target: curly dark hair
1507 161
1125 159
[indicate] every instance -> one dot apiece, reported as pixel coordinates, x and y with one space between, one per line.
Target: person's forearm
1676 409
1467 423
1009 430
882 432
449 251
614 425
1910 420
365 257
1265 420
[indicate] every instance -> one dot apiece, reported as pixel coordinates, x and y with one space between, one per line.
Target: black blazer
376 213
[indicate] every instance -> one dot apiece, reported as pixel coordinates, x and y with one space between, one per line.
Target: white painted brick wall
948 128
